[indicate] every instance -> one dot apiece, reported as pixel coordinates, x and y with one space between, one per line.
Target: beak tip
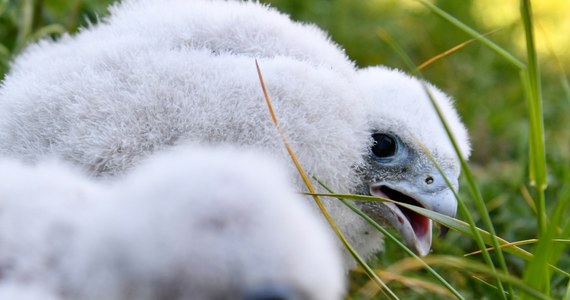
422 250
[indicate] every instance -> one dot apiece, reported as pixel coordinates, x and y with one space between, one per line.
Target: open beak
416 230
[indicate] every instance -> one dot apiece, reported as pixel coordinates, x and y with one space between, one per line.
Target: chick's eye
384 145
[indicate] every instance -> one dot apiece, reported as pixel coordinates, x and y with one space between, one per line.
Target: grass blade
532 82
455 224
450 51
45 31
549 249
531 79
25 25
519 243
368 291
467 265
485 41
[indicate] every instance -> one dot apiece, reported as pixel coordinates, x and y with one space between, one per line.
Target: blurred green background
487 89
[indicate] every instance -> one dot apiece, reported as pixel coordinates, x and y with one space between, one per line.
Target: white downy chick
197 223
139 82
214 224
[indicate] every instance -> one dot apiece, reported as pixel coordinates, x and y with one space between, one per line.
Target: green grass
513 98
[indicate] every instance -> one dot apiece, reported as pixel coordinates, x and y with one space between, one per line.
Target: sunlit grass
552 15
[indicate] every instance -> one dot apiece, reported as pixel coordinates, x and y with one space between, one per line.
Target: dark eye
384 145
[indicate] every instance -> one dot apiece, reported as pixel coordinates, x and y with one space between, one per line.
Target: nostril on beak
429 180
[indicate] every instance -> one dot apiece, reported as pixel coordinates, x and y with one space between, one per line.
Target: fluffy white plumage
159 73
245 28
117 102
195 223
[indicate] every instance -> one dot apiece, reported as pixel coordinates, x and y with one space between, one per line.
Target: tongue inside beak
414 228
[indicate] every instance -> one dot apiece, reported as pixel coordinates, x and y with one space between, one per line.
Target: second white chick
194 223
